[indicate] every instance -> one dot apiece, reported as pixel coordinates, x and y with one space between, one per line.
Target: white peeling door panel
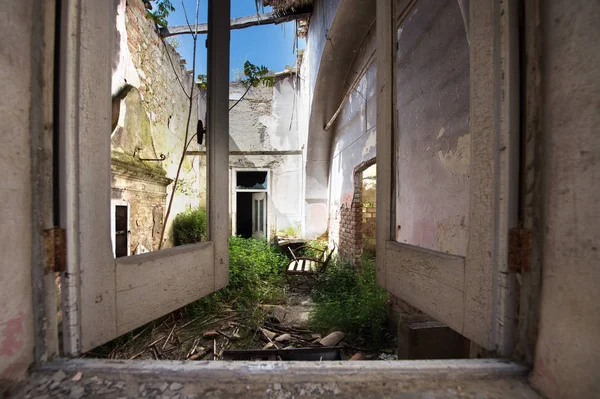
103 297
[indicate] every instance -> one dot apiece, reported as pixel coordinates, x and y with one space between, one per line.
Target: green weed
346 300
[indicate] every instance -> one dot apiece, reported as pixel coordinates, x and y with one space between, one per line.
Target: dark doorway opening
244 214
120 230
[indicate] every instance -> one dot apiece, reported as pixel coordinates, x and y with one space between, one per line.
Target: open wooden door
259 215
447 159
104 297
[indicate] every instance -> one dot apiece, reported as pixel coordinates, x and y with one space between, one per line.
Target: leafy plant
201 82
255 75
346 300
189 227
163 9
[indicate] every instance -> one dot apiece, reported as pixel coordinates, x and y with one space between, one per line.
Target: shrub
189 227
346 300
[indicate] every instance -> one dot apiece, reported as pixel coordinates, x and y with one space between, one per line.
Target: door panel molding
156 283
431 281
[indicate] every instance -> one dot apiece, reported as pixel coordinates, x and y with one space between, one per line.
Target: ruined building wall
152 120
267 120
316 169
354 143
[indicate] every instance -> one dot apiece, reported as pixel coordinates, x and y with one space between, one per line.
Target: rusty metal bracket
55 250
519 250
162 157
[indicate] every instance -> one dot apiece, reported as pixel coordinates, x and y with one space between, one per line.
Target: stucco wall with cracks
354 141
433 150
18 77
567 364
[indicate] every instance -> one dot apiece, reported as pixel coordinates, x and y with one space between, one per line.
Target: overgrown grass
255 275
346 300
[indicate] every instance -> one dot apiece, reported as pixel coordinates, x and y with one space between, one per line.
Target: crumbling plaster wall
158 107
18 81
567 362
267 120
316 161
354 144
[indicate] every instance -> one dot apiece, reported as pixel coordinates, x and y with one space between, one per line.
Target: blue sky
269 45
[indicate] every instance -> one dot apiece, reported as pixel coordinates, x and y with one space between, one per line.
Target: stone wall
152 119
144 192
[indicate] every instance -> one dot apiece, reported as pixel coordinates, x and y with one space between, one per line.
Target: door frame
234 191
113 204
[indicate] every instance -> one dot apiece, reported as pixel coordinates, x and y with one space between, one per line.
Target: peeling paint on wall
457 161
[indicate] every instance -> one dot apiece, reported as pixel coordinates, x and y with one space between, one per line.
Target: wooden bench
307 266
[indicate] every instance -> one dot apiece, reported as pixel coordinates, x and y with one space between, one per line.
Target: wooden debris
210 334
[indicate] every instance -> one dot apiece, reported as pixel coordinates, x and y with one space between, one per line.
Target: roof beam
235 23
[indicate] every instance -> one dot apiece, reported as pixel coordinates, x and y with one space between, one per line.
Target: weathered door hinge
55 250
519 250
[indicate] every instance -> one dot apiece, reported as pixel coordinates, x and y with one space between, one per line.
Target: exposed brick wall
350 225
145 193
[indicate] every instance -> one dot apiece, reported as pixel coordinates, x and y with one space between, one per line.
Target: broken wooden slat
236 23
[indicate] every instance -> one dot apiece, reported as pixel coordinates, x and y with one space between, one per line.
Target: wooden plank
235 23
218 137
385 130
431 281
492 123
291 266
156 283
